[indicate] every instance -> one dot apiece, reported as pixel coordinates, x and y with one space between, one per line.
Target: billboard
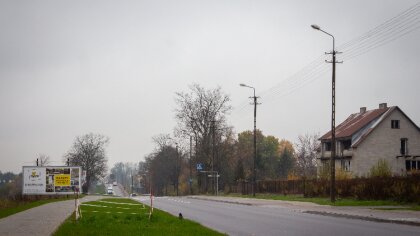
51 179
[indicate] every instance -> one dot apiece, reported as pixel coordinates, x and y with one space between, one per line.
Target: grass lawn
8 207
326 201
119 216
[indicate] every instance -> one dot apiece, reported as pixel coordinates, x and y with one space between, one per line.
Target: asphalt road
118 191
235 219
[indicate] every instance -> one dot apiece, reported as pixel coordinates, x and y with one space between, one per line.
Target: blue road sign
200 166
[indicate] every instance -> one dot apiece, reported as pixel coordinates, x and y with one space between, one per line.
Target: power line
385 33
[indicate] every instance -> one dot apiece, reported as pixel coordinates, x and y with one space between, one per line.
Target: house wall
384 143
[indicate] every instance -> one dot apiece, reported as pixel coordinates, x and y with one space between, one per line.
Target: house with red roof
368 136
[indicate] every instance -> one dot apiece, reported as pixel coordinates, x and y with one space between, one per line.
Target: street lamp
332 160
254 177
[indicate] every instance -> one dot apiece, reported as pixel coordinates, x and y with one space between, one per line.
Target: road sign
200 166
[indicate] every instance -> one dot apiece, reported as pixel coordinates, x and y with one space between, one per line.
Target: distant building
368 136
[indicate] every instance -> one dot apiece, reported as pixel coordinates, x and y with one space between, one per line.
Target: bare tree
43 159
199 108
88 151
201 113
306 154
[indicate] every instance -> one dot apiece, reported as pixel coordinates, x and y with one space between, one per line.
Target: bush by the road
395 188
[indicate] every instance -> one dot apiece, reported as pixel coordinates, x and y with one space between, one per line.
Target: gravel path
42 220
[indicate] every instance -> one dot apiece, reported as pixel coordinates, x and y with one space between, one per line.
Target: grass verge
118 216
8 207
338 202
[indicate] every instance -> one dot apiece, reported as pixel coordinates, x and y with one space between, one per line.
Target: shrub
381 169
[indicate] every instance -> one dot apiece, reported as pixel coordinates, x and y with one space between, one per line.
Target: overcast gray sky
112 67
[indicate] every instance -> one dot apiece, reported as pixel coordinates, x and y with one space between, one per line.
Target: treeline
10 185
203 136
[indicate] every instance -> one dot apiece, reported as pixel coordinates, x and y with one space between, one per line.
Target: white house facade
366 137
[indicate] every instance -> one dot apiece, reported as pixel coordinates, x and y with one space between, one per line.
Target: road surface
238 219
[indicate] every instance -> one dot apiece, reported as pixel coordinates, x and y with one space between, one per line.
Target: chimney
362 110
382 105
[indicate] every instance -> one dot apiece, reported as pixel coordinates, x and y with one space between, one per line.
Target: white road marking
118 212
121 203
85 204
178 200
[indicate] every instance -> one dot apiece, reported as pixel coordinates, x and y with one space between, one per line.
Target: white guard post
77 210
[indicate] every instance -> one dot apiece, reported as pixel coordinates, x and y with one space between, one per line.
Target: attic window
395 124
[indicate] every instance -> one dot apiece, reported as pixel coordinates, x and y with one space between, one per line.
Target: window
395 124
347 144
412 165
404 146
328 146
345 165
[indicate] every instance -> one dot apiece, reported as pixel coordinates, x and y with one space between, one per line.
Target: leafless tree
43 159
306 154
88 151
201 113
199 108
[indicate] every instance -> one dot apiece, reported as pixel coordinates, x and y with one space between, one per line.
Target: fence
398 188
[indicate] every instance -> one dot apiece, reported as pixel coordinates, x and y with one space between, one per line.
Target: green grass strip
133 220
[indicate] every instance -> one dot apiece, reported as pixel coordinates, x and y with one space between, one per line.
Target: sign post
212 175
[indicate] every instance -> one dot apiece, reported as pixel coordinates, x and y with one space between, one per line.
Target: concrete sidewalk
364 213
42 220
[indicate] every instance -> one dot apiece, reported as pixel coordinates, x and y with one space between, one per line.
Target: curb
366 218
224 201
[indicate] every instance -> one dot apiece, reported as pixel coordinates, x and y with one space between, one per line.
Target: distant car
134 194
109 190
115 184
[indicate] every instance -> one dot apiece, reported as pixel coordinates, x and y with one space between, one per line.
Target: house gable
384 142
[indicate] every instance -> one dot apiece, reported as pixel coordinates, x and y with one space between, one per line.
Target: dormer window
395 124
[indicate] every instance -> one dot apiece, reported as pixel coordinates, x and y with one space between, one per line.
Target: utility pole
333 141
177 170
332 160
37 162
190 180
254 177
254 188
213 152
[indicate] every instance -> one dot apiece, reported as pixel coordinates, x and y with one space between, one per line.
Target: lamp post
332 160
254 177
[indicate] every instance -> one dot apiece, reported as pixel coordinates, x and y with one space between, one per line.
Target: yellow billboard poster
62 180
